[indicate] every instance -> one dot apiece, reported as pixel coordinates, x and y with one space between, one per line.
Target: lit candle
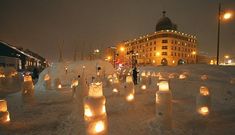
203 101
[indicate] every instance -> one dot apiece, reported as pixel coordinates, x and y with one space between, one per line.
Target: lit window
164 47
164 53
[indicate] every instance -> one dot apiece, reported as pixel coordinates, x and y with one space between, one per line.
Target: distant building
11 56
166 46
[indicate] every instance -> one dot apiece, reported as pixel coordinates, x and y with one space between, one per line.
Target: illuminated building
166 46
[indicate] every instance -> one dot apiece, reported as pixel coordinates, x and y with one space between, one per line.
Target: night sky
42 25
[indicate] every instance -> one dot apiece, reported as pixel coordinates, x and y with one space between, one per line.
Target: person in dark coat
135 72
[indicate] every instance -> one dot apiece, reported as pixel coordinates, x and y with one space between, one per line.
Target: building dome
165 23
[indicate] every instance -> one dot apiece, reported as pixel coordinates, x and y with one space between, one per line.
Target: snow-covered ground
53 112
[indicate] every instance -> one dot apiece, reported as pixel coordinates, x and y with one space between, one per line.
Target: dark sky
42 25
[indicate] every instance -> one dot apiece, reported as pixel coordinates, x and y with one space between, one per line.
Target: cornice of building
158 33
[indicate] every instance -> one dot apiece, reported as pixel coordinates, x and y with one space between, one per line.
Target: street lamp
225 16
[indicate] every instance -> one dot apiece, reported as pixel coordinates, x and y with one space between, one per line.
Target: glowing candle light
95 111
163 86
203 101
4 114
130 97
204 110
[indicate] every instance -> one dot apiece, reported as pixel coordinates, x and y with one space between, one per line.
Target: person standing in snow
135 72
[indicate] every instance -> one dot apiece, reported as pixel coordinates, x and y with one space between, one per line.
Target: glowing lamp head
83 67
95 90
163 86
143 87
129 79
130 97
227 15
99 126
204 110
204 91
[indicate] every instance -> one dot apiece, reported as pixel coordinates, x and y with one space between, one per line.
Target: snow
54 112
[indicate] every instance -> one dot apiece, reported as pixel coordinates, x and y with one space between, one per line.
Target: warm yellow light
2 76
3 105
227 15
115 90
163 86
129 79
154 61
122 49
143 87
109 57
99 127
103 109
130 97
204 91
193 53
227 56
173 61
157 98
74 83
8 117
182 76
158 53
211 62
59 86
95 89
27 78
87 111
143 74
46 77
203 110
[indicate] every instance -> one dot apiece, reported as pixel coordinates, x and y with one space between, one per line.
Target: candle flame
130 97
99 127
204 110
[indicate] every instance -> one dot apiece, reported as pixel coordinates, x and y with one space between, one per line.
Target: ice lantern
28 87
95 111
129 89
115 85
164 106
57 84
47 82
203 101
144 81
4 114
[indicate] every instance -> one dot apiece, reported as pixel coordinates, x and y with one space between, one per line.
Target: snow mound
66 72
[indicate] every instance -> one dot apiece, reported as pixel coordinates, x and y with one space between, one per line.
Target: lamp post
225 16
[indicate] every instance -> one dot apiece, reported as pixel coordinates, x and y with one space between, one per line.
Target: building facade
166 46
20 59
